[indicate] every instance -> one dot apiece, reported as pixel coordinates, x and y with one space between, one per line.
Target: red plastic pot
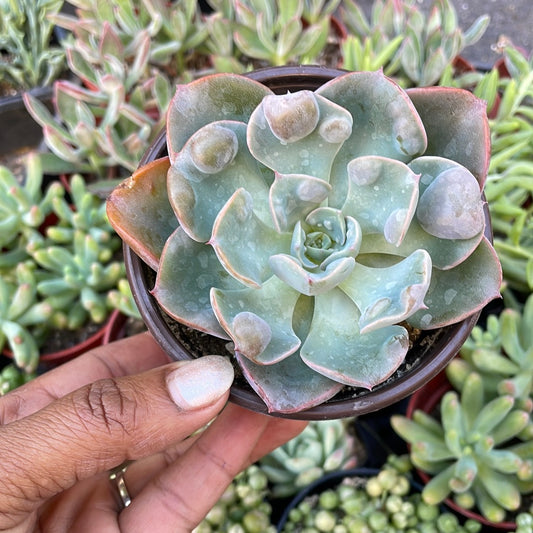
109 331
423 361
427 399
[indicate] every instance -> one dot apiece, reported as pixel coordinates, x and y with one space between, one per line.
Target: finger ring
116 476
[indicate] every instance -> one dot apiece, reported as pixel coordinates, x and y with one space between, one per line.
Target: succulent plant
510 180
82 211
220 44
323 446
274 31
11 377
27 57
502 353
524 523
242 508
97 130
429 43
21 310
471 451
306 227
373 501
77 280
174 30
23 208
110 120
59 264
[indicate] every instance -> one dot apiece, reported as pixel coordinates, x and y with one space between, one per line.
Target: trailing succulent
313 228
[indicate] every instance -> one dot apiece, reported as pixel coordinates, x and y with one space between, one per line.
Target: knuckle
107 405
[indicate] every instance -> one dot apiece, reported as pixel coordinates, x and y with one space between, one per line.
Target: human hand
65 430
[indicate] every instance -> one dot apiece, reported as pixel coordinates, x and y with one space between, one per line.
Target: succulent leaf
280 385
387 296
191 305
387 183
140 211
293 196
237 223
455 293
189 186
298 133
360 360
385 123
463 136
217 97
291 271
263 332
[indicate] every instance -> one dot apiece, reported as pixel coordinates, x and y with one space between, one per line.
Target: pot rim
448 344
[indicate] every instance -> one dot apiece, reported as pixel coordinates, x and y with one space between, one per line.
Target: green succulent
101 129
23 209
27 57
323 446
111 119
307 227
82 211
221 46
524 523
429 43
510 180
58 265
471 451
274 31
23 316
167 32
366 502
12 377
242 508
502 353
76 280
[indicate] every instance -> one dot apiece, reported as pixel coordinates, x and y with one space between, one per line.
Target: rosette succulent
315 229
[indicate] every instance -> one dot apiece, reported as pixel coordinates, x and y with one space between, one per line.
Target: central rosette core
322 253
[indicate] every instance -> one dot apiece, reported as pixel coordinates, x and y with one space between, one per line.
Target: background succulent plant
510 180
368 501
314 206
59 267
471 452
28 58
502 353
429 43
125 57
323 446
276 32
243 508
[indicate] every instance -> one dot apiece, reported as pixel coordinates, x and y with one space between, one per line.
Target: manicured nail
200 382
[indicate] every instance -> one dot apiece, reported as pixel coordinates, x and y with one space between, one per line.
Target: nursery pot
21 131
427 399
430 354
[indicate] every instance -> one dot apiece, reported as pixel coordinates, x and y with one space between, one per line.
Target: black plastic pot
19 131
424 361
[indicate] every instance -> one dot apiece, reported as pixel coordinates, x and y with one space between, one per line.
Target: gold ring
116 476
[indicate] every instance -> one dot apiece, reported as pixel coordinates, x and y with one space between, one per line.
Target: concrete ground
512 18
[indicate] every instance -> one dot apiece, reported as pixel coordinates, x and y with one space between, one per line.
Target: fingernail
200 382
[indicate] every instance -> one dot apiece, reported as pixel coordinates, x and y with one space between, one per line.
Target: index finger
124 357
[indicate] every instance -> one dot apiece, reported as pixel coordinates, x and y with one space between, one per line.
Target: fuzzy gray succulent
310 227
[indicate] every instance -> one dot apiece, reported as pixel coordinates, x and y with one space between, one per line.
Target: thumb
105 423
